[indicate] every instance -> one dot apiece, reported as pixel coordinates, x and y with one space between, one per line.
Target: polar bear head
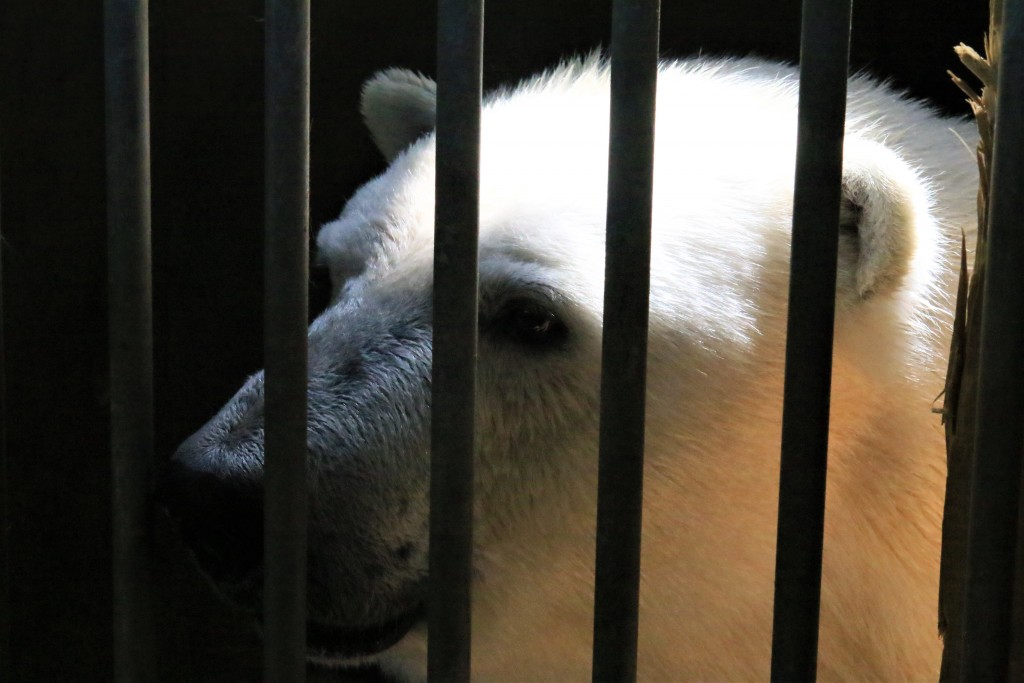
721 220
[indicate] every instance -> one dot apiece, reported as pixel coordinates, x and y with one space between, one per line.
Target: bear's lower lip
324 640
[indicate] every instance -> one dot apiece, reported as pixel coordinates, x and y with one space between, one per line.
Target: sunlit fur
724 169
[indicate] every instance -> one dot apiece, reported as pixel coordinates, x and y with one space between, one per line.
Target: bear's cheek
364 570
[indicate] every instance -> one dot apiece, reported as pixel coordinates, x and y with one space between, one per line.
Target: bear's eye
530 322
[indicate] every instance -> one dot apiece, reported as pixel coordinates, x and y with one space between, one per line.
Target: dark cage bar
824 55
286 260
457 191
131 332
634 74
994 605
5 495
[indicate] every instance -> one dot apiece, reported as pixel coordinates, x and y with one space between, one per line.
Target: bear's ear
398 106
883 202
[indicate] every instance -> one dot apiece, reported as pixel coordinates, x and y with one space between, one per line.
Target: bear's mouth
336 642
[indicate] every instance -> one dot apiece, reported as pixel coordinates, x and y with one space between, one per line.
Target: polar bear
724 168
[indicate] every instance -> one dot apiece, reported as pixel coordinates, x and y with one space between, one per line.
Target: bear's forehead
724 148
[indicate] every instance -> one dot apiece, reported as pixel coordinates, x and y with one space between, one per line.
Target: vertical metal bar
131 330
634 73
285 300
824 56
457 188
6 668
999 439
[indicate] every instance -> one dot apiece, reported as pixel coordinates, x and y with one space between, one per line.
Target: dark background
207 109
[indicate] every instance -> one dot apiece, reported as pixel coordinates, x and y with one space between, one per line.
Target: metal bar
999 439
824 57
131 331
286 302
457 188
6 667
634 75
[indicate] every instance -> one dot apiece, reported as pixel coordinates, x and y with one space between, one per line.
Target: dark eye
531 323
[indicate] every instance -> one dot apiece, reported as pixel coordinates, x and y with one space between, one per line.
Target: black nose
219 510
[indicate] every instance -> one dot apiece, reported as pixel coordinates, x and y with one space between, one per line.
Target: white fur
398 106
726 132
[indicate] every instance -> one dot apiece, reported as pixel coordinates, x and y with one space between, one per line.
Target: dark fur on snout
368 407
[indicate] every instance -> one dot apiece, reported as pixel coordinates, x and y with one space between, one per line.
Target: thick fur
724 168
